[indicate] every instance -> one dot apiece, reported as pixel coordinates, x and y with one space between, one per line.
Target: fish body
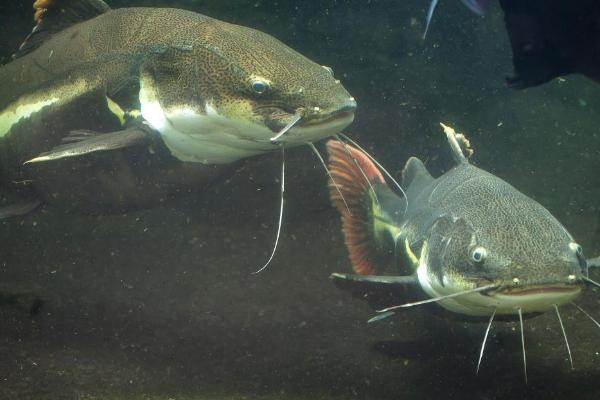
467 237
194 94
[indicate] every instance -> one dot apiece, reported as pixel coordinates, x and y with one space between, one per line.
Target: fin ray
378 291
345 164
52 16
593 262
459 144
80 143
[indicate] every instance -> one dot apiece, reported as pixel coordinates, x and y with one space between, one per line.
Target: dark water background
160 303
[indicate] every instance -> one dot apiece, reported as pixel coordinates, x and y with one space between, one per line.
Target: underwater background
161 303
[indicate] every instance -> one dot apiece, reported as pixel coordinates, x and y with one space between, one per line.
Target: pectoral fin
80 143
593 262
430 12
375 279
378 290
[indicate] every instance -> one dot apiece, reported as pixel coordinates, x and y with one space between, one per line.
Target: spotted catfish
132 105
467 240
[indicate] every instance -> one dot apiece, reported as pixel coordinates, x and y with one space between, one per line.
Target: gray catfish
132 105
466 240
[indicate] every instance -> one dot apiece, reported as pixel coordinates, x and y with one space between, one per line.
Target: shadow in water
448 368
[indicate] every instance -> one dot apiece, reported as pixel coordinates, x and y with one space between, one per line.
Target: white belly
206 137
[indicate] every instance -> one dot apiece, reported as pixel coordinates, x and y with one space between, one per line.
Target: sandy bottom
161 304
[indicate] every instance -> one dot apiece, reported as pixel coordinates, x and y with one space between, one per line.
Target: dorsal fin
52 16
415 174
459 144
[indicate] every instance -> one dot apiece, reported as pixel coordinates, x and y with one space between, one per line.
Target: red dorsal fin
357 218
53 16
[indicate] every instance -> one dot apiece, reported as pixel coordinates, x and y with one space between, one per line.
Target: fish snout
570 282
536 295
336 110
311 124
566 269
349 106
572 276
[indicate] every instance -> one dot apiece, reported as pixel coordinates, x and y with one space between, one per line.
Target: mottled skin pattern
211 59
469 241
192 59
475 208
222 60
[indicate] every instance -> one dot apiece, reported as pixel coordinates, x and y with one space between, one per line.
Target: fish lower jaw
505 301
534 299
528 301
319 130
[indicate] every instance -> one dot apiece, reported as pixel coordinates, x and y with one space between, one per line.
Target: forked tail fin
356 176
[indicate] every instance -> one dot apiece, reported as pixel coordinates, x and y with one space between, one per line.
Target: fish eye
576 248
259 86
478 254
329 69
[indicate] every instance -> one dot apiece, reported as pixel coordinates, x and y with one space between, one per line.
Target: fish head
226 96
526 258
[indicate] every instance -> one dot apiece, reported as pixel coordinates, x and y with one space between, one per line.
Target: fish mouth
538 289
307 126
280 118
510 300
326 119
345 111
534 297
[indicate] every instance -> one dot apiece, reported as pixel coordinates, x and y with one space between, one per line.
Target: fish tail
357 179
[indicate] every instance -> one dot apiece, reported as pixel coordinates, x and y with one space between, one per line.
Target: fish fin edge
52 16
378 290
355 175
593 262
415 173
82 142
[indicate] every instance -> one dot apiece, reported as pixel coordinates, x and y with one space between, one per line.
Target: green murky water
160 303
